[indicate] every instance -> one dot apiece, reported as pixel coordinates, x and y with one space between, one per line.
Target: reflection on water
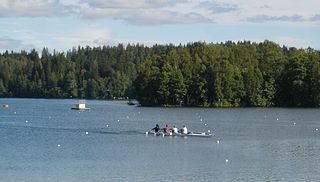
44 140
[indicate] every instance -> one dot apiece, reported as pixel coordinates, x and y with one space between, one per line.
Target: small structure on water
6 106
130 102
81 105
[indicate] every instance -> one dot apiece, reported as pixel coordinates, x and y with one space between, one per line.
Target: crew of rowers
168 130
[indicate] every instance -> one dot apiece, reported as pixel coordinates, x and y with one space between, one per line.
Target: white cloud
315 18
129 4
155 12
293 42
216 7
33 8
147 16
91 36
10 44
266 18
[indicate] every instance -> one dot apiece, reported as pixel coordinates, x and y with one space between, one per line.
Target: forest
228 74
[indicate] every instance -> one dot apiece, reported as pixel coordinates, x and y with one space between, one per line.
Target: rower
156 129
184 130
175 129
166 129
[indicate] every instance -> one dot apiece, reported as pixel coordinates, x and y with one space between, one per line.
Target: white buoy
200 119
107 125
58 145
205 124
209 131
27 121
218 141
277 119
146 133
227 160
316 129
118 120
294 123
87 133
15 112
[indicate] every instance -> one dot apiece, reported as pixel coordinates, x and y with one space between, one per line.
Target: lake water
44 140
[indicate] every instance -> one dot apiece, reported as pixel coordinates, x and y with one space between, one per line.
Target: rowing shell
191 134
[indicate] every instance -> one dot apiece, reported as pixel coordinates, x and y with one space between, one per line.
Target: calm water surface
44 140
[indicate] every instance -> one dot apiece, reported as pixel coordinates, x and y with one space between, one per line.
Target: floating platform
80 106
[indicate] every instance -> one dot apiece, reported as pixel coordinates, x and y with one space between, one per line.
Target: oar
149 132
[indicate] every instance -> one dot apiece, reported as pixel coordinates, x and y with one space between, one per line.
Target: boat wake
102 131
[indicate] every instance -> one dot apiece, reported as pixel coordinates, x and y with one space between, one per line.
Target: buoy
15 112
107 125
209 131
59 145
227 160
118 120
218 141
316 129
87 133
27 121
200 119
277 119
146 133
294 123
205 124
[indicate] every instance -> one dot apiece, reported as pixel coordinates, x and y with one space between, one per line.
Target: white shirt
175 130
184 130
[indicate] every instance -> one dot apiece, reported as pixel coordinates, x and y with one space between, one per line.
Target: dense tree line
197 74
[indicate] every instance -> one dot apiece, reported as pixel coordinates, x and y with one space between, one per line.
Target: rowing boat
191 134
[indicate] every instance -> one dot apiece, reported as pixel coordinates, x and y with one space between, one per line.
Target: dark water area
44 140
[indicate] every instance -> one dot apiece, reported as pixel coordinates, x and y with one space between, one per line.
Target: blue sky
64 24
